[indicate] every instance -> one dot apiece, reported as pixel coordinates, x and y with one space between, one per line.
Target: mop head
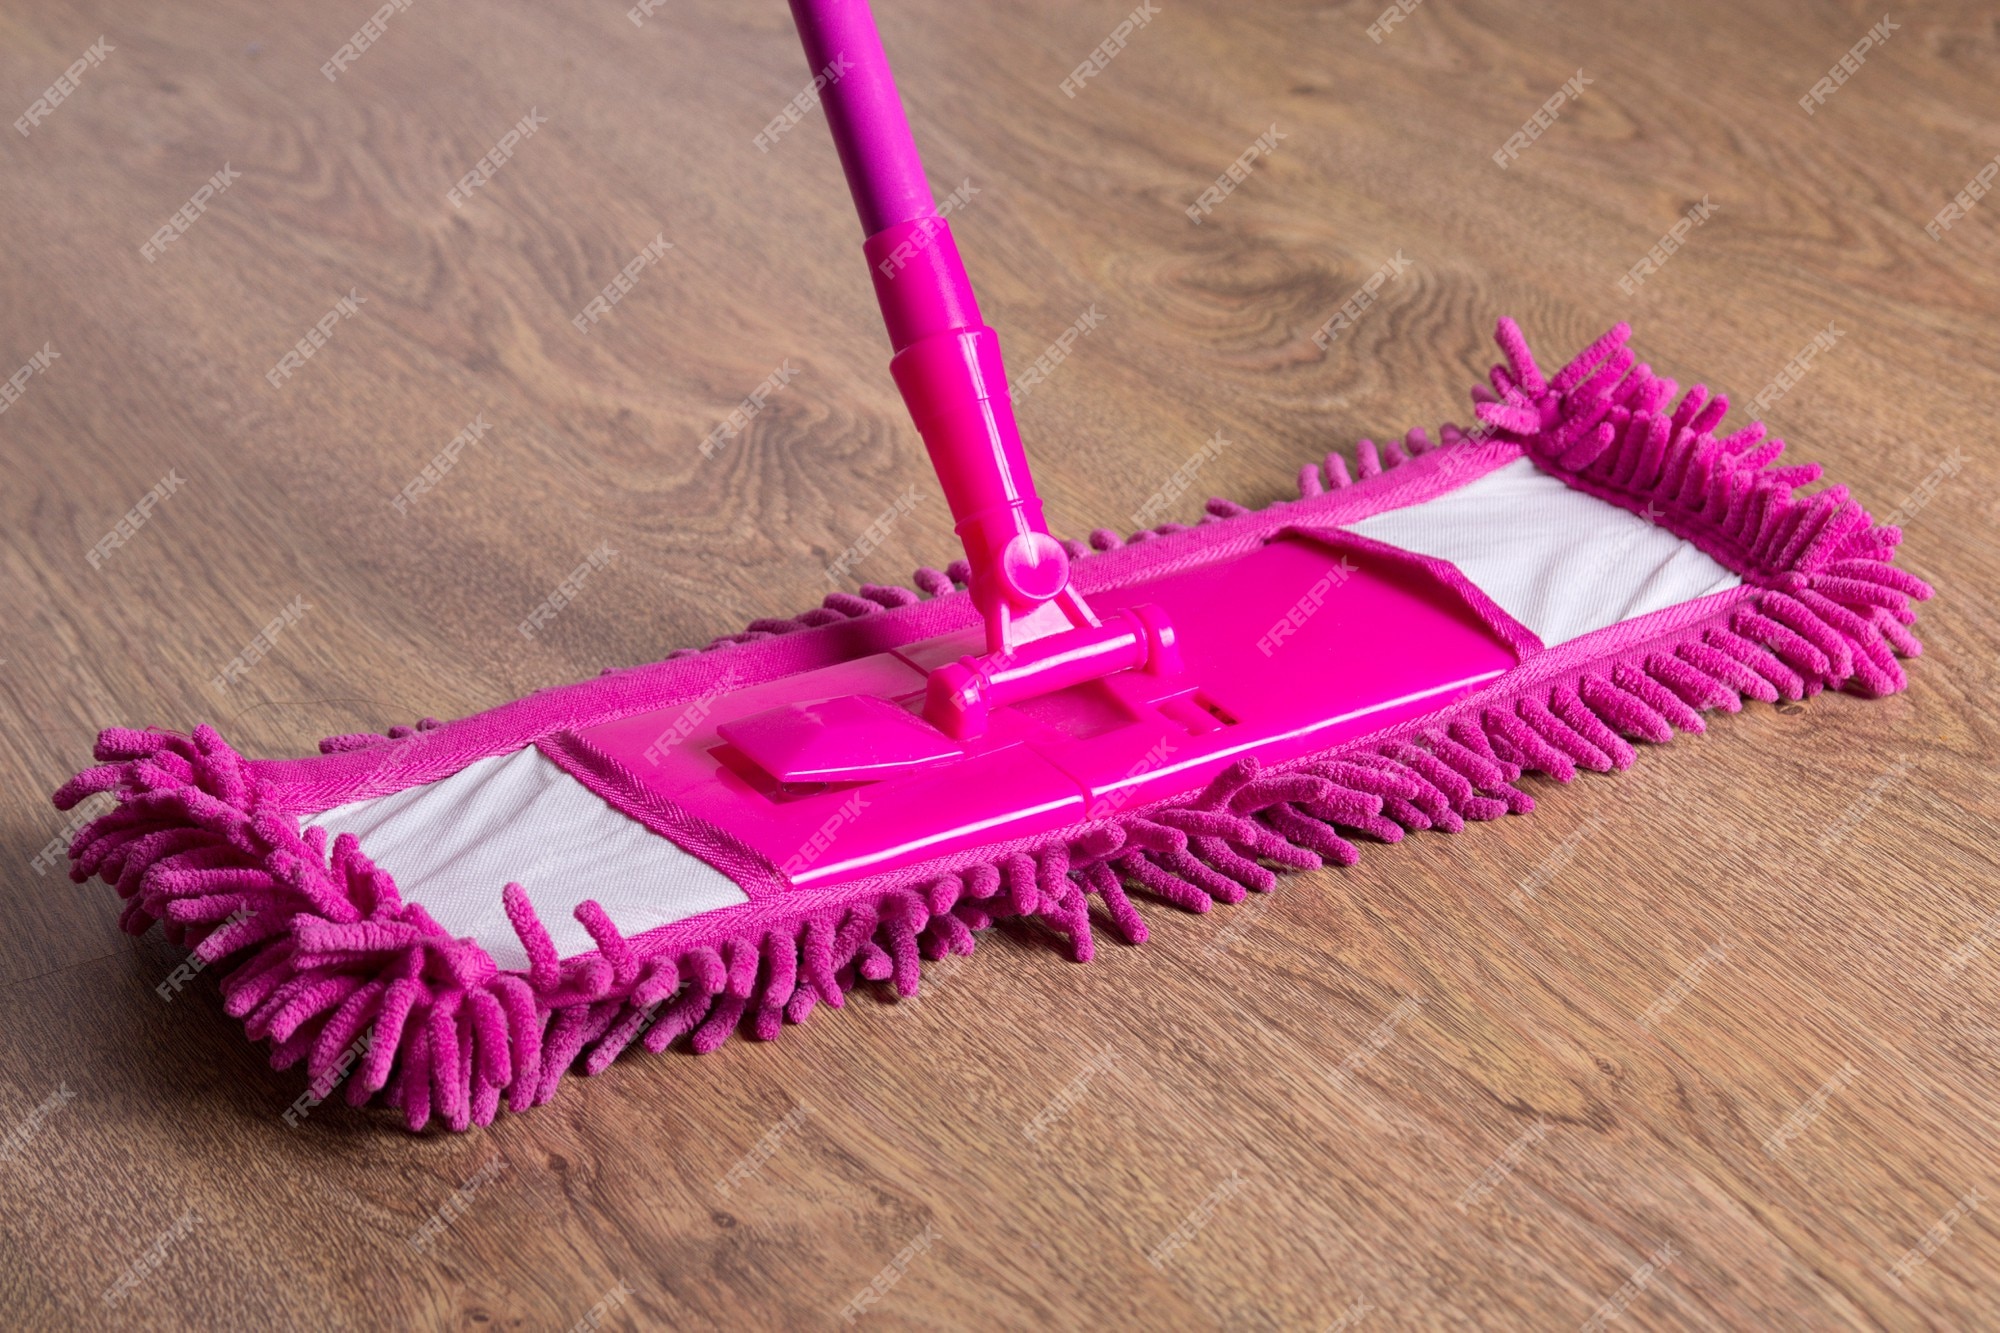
458 914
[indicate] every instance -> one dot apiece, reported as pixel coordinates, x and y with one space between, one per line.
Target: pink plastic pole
864 111
947 362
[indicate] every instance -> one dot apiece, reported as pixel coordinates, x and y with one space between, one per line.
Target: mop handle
870 131
947 362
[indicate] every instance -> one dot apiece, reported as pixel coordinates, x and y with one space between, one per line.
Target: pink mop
463 912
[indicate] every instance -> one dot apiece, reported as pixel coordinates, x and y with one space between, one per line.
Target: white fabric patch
452 845
1561 562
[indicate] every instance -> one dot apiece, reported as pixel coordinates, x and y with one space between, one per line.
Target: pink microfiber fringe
334 953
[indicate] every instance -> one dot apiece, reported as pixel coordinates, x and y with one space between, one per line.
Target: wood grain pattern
1404 1091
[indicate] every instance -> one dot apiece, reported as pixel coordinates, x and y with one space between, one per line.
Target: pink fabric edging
209 844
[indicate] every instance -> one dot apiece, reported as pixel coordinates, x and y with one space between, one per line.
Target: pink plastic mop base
1309 640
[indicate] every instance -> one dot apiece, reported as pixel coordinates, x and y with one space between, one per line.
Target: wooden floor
1408 1094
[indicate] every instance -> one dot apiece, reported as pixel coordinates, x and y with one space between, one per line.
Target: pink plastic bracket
867 787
